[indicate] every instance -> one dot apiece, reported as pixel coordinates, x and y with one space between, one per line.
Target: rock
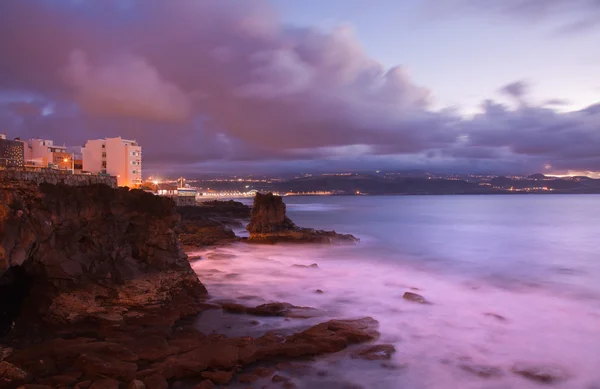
541 373
328 337
206 384
495 316
414 297
482 371
156 381
34 386
393 366
319 291
218 377
136 384
94 366
208 224
268 215
224 354
93 254
263 372
5 352
12 376
106 383
59 380
278 378
375 353
269 224
313 266
258 373
150 348
43 367
273 309
289 385
296 369
248 378
83 384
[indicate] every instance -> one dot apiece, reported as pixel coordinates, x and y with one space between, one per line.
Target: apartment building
12 153
115 156
44 153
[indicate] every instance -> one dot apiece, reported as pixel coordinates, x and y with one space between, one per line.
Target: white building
44 153
115 156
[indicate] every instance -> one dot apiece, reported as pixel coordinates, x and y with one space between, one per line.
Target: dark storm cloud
199 83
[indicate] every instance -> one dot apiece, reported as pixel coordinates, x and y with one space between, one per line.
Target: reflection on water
512 280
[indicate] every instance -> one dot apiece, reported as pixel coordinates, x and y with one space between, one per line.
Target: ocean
513 281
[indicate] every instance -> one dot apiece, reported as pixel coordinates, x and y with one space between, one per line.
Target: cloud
517 90
128 86
212 83
23 108
573 16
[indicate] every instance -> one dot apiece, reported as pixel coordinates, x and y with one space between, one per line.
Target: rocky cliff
270 224
90 254
92 282
209 223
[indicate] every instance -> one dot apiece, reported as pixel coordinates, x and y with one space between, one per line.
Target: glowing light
155 182
66 160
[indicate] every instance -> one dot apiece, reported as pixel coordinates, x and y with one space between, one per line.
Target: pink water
550 320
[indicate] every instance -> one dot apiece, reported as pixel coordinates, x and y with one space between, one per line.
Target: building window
104 164
103 171
103 155
103 146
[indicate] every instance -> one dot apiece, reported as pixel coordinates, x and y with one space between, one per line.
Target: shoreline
135 326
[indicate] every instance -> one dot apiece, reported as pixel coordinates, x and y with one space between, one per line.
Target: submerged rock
313 266
495 316
414 297
375 353
482 371
541 373
269 224
273 309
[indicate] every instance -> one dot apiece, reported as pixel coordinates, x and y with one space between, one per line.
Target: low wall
57 178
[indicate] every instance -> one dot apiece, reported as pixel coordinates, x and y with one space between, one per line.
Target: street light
66 159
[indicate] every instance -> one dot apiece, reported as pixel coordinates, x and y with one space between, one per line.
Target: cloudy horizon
260 86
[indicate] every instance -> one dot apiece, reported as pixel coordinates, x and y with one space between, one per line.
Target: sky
259 86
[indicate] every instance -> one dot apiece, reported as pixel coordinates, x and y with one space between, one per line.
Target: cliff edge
90 254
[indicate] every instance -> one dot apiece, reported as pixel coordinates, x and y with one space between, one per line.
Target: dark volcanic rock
206 384
224 354
218 377
414 297
106 383
268 215
93 254
11 376
482 371
273 309
208 223
541 373
269 224
313 266
375 353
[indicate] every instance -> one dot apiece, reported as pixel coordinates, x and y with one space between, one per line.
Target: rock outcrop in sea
270 224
